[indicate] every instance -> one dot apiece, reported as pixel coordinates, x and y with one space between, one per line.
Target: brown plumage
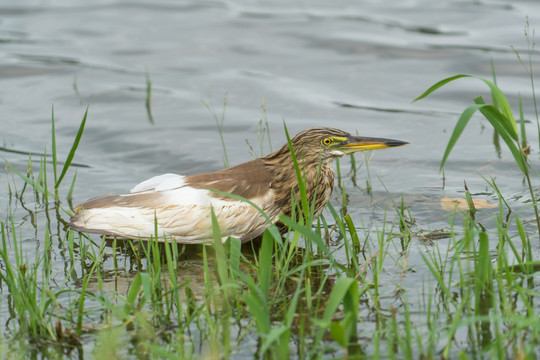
182 205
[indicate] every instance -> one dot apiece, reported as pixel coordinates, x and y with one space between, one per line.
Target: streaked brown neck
317 176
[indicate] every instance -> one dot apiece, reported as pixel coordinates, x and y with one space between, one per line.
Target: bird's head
327 144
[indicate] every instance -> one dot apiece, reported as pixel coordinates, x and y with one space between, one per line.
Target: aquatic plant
332 287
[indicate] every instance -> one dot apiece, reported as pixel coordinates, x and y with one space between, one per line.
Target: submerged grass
219 123
331 288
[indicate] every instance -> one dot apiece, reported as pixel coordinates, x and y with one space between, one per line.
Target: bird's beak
361 143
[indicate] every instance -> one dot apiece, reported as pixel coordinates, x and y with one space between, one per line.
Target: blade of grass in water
219 124
148 102
458 129
497 94
301 183
502 120
308 233
497 120
53 140
344 291
439 84
265 263
522 131
484 269
219 249
35 184
73 149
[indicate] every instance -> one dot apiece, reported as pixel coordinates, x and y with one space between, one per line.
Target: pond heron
179 207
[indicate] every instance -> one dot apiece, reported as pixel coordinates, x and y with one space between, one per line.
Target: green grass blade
148 102
435 272
439 85
72 187
458 129
272 338
308 233
354 235
219 124
337 295
54 159
496 118
29 181
235 252
525 240
484 268
301 183
148 286
457 318
257 305
221 259
340 294
133 293
508 124
265 263
73 149
501 102
522 131
496 93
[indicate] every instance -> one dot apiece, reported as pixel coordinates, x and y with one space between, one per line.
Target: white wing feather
160 183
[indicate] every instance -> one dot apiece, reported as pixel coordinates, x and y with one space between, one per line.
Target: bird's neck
316 174
281 164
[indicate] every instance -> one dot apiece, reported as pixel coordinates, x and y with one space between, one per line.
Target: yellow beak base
360 143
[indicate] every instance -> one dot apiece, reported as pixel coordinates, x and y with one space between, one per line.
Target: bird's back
181 206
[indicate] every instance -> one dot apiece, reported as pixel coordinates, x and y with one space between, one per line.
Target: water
351 66
346 64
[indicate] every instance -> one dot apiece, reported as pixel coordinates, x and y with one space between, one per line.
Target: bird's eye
327 141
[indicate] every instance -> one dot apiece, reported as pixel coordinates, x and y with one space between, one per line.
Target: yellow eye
327 141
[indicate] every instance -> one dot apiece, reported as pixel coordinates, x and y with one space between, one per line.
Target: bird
179 207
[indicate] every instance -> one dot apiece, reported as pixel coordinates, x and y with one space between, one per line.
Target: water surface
352 65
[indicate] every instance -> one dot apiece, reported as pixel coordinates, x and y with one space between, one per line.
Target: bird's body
181 206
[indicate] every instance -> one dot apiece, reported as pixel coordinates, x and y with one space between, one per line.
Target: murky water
346 64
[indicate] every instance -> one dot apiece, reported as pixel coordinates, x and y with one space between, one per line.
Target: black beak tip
393 143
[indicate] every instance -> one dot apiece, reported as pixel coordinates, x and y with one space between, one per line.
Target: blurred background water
354 65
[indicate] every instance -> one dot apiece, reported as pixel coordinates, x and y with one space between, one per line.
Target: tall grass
331 287
500 116
148 101
219 124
